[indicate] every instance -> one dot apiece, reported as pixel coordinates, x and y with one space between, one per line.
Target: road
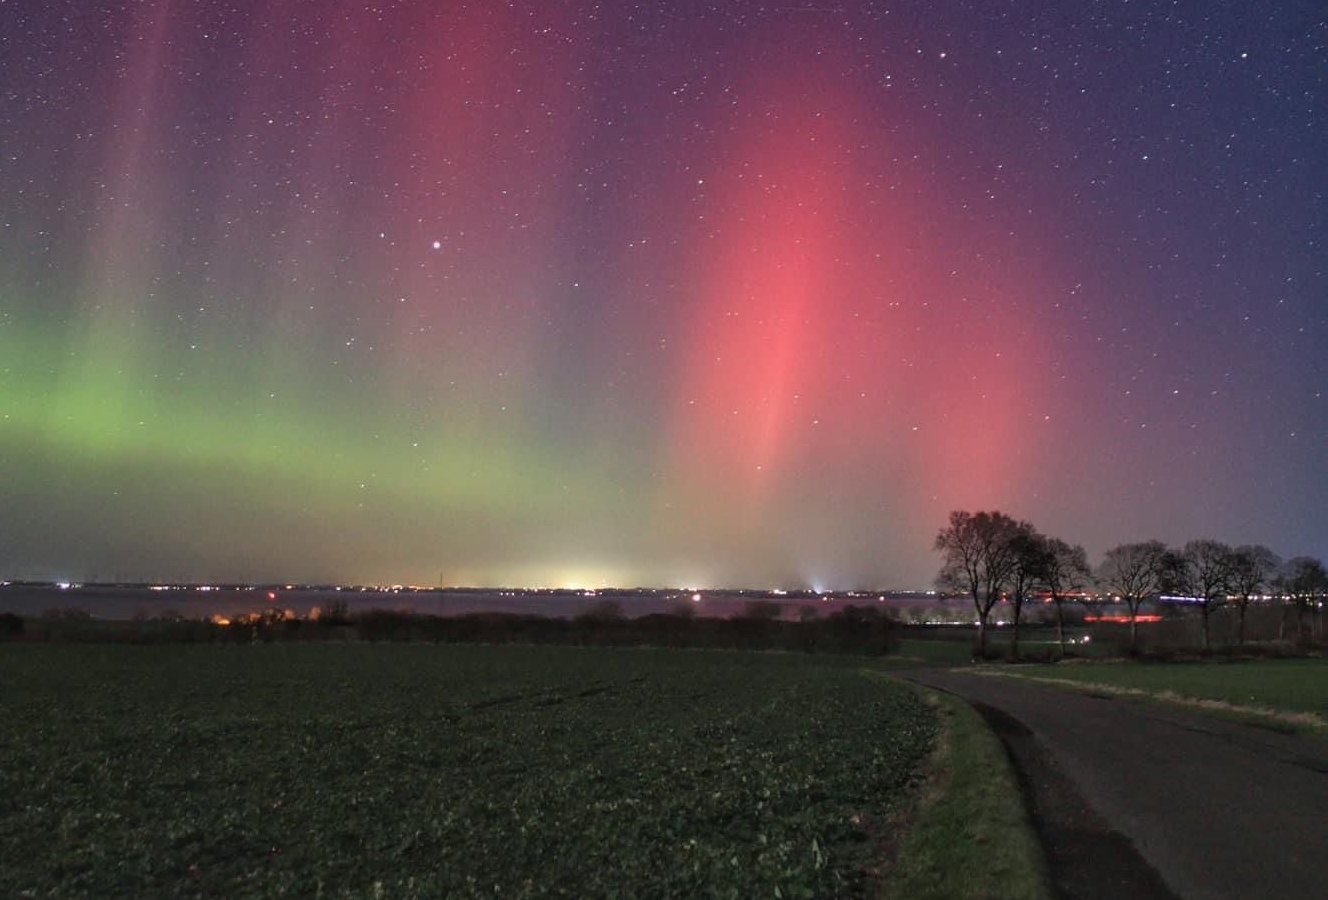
1149 800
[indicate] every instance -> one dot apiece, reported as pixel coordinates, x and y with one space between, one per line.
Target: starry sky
673 293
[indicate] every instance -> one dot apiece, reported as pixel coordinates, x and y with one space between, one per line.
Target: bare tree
1304 579
1065 571
1133 572
1202 571
1252 569
1029 550
977 558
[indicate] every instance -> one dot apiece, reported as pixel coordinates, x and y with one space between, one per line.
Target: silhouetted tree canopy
1253 567
1134 572
978 557
1064 571
1202 571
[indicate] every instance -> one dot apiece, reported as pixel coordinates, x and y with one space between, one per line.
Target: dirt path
1142 800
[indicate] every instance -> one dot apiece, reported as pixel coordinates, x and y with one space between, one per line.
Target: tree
1252 569
1304 579
1029 550
1201 570
1133 572
977 558
1064 571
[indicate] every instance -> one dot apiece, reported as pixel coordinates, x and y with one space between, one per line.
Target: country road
1147 800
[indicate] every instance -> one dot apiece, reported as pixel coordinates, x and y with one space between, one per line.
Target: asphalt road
1151 801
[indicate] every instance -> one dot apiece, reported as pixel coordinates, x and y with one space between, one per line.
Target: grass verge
968 835
1285 695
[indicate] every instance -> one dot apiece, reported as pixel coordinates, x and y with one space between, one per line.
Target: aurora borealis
573 293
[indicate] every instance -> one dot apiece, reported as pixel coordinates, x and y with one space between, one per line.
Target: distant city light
1122 618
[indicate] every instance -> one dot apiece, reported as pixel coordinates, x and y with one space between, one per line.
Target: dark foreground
419 770
1150 801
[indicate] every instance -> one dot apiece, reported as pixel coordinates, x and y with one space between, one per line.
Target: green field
1289 686
915 652
958 649
424 770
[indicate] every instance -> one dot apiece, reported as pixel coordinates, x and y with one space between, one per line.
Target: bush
333 612
11 624
764 610
603 611
66 614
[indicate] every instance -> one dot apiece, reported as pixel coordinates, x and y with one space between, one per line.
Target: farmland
1294 689
422 770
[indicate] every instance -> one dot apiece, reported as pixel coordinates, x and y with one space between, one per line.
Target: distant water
121 603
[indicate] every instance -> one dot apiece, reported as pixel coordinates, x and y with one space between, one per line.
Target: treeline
852 630
991 557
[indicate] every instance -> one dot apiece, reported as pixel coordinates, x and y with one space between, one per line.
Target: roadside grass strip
967 833
1290 721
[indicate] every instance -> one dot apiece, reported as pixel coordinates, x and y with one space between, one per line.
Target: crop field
1290 685
422 770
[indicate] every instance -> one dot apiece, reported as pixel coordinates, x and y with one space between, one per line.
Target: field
1290 687
956 648
420 770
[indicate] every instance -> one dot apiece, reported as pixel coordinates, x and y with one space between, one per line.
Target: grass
1293 692
970 836
914 652
957 650
422 770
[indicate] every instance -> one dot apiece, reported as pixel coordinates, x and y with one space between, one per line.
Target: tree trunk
1060 628
1014 644
1204 611
982 635
1240 631
1134 630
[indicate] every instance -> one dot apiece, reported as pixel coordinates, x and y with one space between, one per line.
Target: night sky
678 293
